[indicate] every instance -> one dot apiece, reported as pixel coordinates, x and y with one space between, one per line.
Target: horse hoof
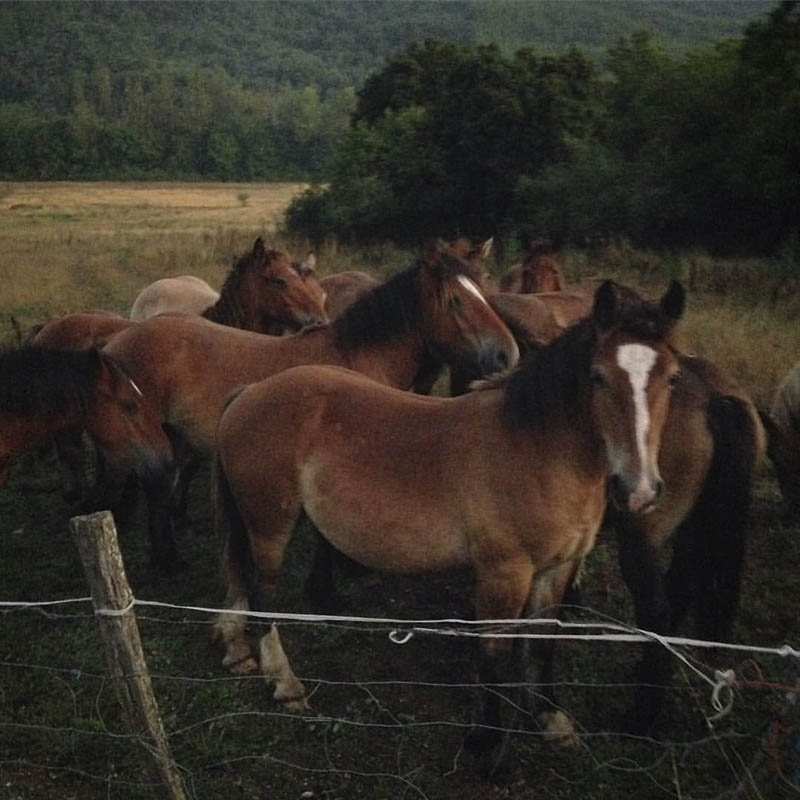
299 705
244 666
557 729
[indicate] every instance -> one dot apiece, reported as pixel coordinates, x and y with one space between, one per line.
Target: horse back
184 294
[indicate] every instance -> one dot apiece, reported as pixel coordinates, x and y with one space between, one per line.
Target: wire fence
394 724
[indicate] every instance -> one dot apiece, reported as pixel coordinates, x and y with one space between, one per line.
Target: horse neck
393 362
228 308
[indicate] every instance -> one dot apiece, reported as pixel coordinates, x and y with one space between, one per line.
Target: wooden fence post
96 537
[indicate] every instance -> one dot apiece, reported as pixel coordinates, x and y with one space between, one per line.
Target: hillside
329 44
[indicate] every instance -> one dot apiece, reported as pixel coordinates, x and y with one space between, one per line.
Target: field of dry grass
67 247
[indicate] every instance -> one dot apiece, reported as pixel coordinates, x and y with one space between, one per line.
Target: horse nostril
502 360
659 489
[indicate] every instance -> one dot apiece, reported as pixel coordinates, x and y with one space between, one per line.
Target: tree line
698 149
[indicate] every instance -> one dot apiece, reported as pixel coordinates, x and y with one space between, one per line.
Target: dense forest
256 90
671 122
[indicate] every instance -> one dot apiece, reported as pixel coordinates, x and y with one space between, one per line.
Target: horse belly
382 527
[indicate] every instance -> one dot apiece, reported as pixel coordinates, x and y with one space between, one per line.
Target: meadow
389 719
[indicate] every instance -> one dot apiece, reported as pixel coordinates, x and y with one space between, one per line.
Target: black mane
36 379
378 315
550 382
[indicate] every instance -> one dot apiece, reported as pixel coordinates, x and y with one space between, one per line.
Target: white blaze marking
470 286
637 360
135 387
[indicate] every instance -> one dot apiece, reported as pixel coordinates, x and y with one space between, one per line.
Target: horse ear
310 261
486 247
605 305
258 248
432 253
674 300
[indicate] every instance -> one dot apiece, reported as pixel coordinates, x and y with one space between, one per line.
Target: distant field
68 246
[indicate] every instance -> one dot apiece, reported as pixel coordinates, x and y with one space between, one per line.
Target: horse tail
229 525
719 521
237 559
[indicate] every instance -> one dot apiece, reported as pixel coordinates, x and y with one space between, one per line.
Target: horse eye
279 282
674 378
596 377
455 303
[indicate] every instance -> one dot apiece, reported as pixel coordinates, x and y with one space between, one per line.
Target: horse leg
501 593
252 559
70 453
645 579
547 593
160 525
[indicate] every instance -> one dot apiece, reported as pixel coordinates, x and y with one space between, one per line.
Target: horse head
632 370
280 294
461 326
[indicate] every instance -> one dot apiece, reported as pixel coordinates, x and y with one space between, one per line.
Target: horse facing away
511 481
264 291
189 366
44 392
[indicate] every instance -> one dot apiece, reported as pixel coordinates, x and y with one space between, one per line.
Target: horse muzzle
639 500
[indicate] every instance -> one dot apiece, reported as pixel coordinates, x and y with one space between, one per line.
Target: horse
189 365
687 553
342 289
783 447
263 292
80 331
537 272
511 481
44 392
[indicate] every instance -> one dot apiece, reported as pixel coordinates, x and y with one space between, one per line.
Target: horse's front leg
644 575
547 593
501 592
160 525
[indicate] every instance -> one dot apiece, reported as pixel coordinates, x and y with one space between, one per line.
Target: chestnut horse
189 365
511 481
44 392
263 291
537 272
342 289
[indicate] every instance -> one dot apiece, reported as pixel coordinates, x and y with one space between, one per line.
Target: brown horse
510 481
537 272
783 425
44 392
342 289
80 331
189 366
687 554
263 291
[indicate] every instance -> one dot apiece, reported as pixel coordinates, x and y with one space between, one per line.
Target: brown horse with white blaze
190 366
522 472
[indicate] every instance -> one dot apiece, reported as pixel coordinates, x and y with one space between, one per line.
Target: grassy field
389 719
